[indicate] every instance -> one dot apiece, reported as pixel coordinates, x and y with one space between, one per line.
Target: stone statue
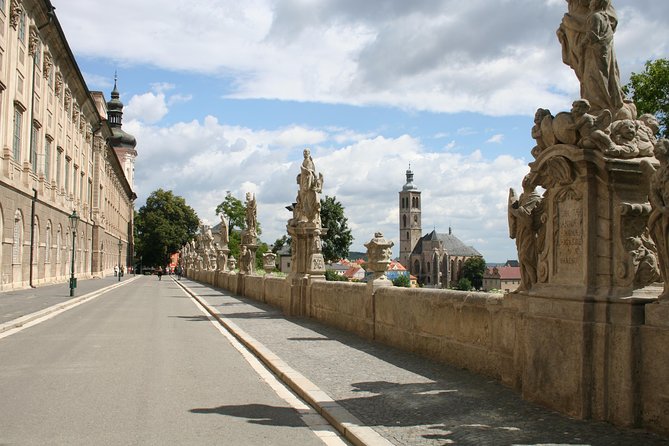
524 223
245 260
591 130
601 77
586 36
647 128
308 207
623 137
251 214
541 118
658 222
224 231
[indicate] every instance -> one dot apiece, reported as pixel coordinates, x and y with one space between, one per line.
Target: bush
464 284
402 281
332 276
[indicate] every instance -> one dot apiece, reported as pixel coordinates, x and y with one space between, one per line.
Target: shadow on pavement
258 414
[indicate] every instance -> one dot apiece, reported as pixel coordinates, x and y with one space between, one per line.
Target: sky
224 95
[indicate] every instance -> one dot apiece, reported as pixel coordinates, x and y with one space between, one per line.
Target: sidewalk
17 303
406 399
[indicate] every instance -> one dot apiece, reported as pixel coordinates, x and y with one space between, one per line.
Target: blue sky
224 95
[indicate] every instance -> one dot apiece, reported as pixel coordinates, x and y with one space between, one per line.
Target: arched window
47 243
416 268
59 244
404 221
17 242
36 241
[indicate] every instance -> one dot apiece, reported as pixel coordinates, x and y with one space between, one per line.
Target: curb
341 419
23 320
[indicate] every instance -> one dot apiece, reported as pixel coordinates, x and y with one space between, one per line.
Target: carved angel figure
658 195
524 223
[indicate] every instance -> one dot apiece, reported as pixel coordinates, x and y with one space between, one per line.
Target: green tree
162 226
280 243
473 270
233 208
338 239
402 281
650 92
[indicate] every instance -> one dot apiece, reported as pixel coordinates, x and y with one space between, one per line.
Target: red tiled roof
509 272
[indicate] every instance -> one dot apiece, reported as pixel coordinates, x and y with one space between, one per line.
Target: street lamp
74 219
120 247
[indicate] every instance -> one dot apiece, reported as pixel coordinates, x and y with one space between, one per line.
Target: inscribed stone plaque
569 243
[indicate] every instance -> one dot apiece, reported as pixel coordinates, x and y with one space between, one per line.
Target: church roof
451 244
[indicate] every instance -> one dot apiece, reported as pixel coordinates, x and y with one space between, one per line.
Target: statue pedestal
307 265
581 320
593 243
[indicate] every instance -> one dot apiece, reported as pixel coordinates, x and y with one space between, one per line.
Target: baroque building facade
435 259
57 156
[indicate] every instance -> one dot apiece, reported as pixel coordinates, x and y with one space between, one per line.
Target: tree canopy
162 226
338 239
650 92
235 210
473 270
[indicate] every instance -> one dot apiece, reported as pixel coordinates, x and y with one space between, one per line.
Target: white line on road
309 415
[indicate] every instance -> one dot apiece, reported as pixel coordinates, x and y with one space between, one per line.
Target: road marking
313 420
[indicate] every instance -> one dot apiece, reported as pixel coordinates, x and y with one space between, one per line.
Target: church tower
410 225
122 142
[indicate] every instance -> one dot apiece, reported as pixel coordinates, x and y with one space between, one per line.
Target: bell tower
410 219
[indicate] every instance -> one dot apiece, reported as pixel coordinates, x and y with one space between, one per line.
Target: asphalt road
140 365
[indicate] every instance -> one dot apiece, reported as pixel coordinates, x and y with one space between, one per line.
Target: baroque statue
524 223
308 207
658 222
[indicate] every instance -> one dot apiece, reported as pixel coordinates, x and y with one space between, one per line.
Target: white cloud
437 55
496 139
148 107
202 160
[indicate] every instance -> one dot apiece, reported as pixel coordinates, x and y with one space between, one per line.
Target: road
142 364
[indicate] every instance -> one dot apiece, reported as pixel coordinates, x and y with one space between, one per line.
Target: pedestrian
115 270
178 271
121 271
160 273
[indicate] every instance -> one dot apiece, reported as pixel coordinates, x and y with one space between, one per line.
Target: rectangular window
22 27
67 176
33 149
81 187
47 159
18 121
59 166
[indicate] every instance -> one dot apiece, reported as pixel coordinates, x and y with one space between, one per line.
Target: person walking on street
115 270
160 273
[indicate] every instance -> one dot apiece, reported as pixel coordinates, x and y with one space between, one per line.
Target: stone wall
348 306
613 367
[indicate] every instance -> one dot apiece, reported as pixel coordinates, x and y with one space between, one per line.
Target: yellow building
58 155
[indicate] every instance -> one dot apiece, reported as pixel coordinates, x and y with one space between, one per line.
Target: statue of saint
523 226
308 206
658 222
251 213
586 36
224 234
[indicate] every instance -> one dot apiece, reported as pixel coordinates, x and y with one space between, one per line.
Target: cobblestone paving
407 399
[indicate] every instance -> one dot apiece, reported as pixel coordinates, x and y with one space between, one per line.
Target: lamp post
74 219
120 247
